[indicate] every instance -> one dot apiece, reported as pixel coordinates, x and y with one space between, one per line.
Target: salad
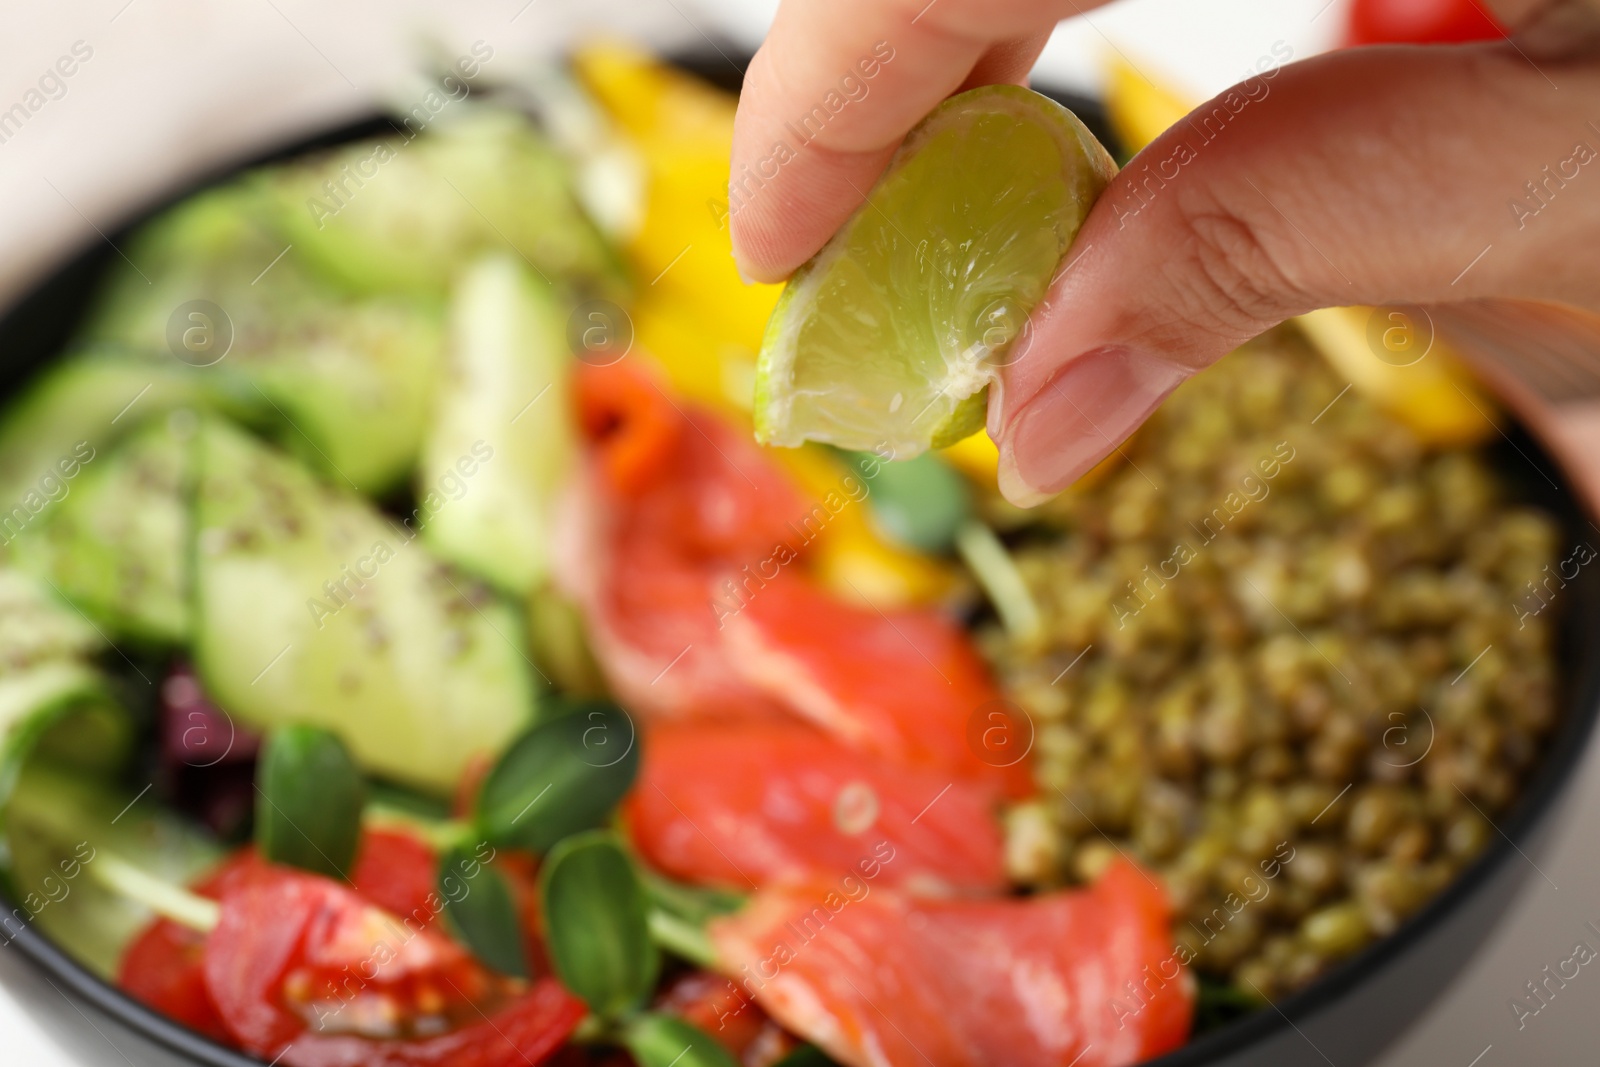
408 656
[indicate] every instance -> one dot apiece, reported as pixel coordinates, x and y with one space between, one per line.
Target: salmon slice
758 804
684 545
904 684
685 478
673 503
881 978
651 628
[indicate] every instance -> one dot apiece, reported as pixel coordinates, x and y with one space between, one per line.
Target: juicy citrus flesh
889 337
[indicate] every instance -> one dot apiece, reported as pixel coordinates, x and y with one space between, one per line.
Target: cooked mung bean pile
1293 666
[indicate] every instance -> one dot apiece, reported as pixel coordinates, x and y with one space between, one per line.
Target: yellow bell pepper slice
682 129
1434 395
1140 110
701 357
977 457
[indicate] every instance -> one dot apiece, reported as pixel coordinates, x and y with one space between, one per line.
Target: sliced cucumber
61 709
312 607
36 628
53 706
410 211
59 823
502 439
353 384
116 544
66 418
42 688
347 382
51 695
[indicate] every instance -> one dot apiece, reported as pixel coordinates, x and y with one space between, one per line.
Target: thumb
1392 175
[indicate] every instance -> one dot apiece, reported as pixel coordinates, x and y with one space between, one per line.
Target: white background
177 86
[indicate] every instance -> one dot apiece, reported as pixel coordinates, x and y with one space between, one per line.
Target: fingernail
1091 404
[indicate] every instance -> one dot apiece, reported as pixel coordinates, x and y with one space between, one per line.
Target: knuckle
1232 280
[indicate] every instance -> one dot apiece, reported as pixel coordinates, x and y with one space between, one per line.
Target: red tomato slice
1086 977
748 805
1421 22
163 966
162 969
303 969
393 869
398 871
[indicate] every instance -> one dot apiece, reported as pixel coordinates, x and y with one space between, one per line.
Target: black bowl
1346 1017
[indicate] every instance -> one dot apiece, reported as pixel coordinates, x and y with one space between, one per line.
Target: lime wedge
889 337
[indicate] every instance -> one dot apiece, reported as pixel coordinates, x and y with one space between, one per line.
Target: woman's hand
1381 175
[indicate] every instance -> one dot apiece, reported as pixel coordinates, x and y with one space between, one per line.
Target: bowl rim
1561 751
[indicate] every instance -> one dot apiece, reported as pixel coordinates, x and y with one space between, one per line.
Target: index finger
835 89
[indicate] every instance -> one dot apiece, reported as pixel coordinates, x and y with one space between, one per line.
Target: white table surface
175 86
